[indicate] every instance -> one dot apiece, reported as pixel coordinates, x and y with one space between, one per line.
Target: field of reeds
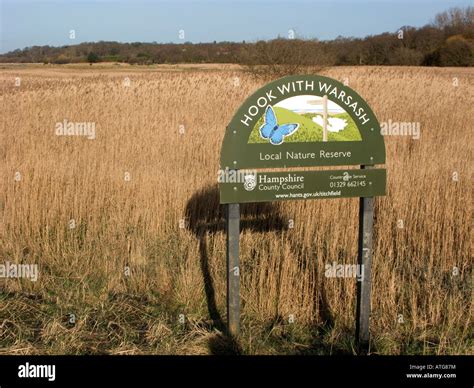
128 234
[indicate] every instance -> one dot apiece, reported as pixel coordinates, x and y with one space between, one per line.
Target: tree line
447 41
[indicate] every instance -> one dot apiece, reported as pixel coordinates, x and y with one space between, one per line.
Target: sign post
302 121
233 270
325 118
364 259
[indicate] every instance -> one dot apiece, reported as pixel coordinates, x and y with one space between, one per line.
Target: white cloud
308 104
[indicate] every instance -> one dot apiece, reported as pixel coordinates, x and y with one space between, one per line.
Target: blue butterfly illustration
270 130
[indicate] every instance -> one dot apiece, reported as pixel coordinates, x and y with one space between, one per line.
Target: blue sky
36 22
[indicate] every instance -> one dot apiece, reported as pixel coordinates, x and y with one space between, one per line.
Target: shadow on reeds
205 216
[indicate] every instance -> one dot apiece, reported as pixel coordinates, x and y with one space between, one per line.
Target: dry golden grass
175 270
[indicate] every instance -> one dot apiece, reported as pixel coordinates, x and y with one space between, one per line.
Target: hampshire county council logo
250 182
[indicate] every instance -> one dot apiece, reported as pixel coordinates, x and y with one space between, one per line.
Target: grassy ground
142 270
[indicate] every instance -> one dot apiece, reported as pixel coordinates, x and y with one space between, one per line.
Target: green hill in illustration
308 130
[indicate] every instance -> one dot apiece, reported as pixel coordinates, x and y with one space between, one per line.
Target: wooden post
366 219
325 118
233 269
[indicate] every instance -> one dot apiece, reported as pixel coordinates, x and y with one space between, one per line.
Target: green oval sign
303 121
